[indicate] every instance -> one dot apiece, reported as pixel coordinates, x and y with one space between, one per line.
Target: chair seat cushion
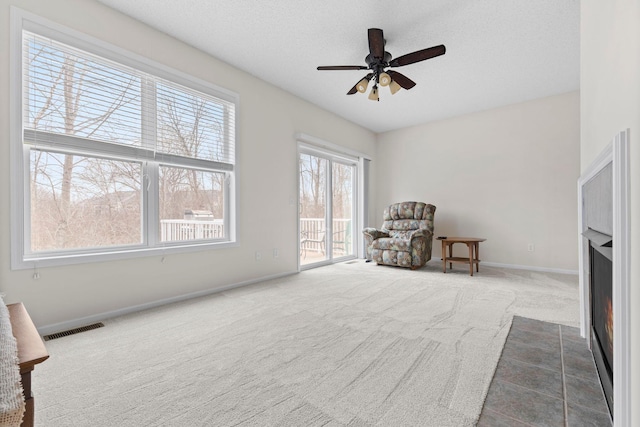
401 234
392 244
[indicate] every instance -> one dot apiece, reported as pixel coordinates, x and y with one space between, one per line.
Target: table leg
470 247
477 245
450 255
444 257
27 420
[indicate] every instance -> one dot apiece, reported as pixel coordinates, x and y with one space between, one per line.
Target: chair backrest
399 218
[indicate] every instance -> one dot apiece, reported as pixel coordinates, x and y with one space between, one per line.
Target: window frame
21 257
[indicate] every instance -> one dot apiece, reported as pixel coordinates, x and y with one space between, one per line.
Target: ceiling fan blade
354 89
404 81
376 43
343 67
417 56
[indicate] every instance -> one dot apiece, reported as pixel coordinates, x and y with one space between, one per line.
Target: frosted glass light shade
394 87
374 94
384 79
362 85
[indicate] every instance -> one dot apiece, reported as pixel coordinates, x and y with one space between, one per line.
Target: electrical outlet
276 253
531 247
258 256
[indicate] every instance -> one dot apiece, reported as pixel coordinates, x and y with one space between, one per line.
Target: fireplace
598 219
604 257
601 290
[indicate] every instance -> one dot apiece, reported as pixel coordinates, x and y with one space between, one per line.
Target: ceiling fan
378 60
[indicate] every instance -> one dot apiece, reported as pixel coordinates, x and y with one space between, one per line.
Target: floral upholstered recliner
405 238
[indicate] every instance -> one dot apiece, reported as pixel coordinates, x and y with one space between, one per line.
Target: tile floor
545 377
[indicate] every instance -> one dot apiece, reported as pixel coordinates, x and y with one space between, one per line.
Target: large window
116 158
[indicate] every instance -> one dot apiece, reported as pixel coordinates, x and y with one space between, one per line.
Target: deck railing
311 229
313 239
190 229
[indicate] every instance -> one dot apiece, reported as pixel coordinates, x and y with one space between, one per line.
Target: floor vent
73 331
351 262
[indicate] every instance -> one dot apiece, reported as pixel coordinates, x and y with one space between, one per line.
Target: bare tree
60 91
187 128
342 189
312 186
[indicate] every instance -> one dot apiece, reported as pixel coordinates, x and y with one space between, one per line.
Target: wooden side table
31 351
473 244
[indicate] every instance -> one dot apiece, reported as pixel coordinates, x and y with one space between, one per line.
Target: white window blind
73 93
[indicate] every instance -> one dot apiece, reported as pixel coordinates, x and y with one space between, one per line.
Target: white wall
610 88
508 175
268 120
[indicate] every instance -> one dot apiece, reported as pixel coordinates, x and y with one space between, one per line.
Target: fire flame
608 325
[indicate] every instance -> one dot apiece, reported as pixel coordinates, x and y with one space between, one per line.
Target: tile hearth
545 377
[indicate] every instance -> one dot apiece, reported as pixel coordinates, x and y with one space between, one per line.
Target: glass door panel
342 185
313 209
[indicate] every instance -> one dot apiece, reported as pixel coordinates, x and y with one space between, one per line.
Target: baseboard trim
524 267
82 321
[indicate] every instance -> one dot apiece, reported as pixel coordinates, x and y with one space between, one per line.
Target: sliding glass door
327 207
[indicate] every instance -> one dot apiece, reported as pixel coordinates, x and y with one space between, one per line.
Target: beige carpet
352 344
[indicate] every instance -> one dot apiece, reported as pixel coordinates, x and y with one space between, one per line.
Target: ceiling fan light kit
374 94
394 87
362 85
384 79
378 60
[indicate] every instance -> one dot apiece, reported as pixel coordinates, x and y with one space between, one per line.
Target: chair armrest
374 233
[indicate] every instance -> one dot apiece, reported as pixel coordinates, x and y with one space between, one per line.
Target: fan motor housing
374 62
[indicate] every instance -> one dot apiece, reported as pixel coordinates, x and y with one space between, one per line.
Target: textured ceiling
498 52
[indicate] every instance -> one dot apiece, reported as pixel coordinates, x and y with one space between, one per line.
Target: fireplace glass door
602 319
